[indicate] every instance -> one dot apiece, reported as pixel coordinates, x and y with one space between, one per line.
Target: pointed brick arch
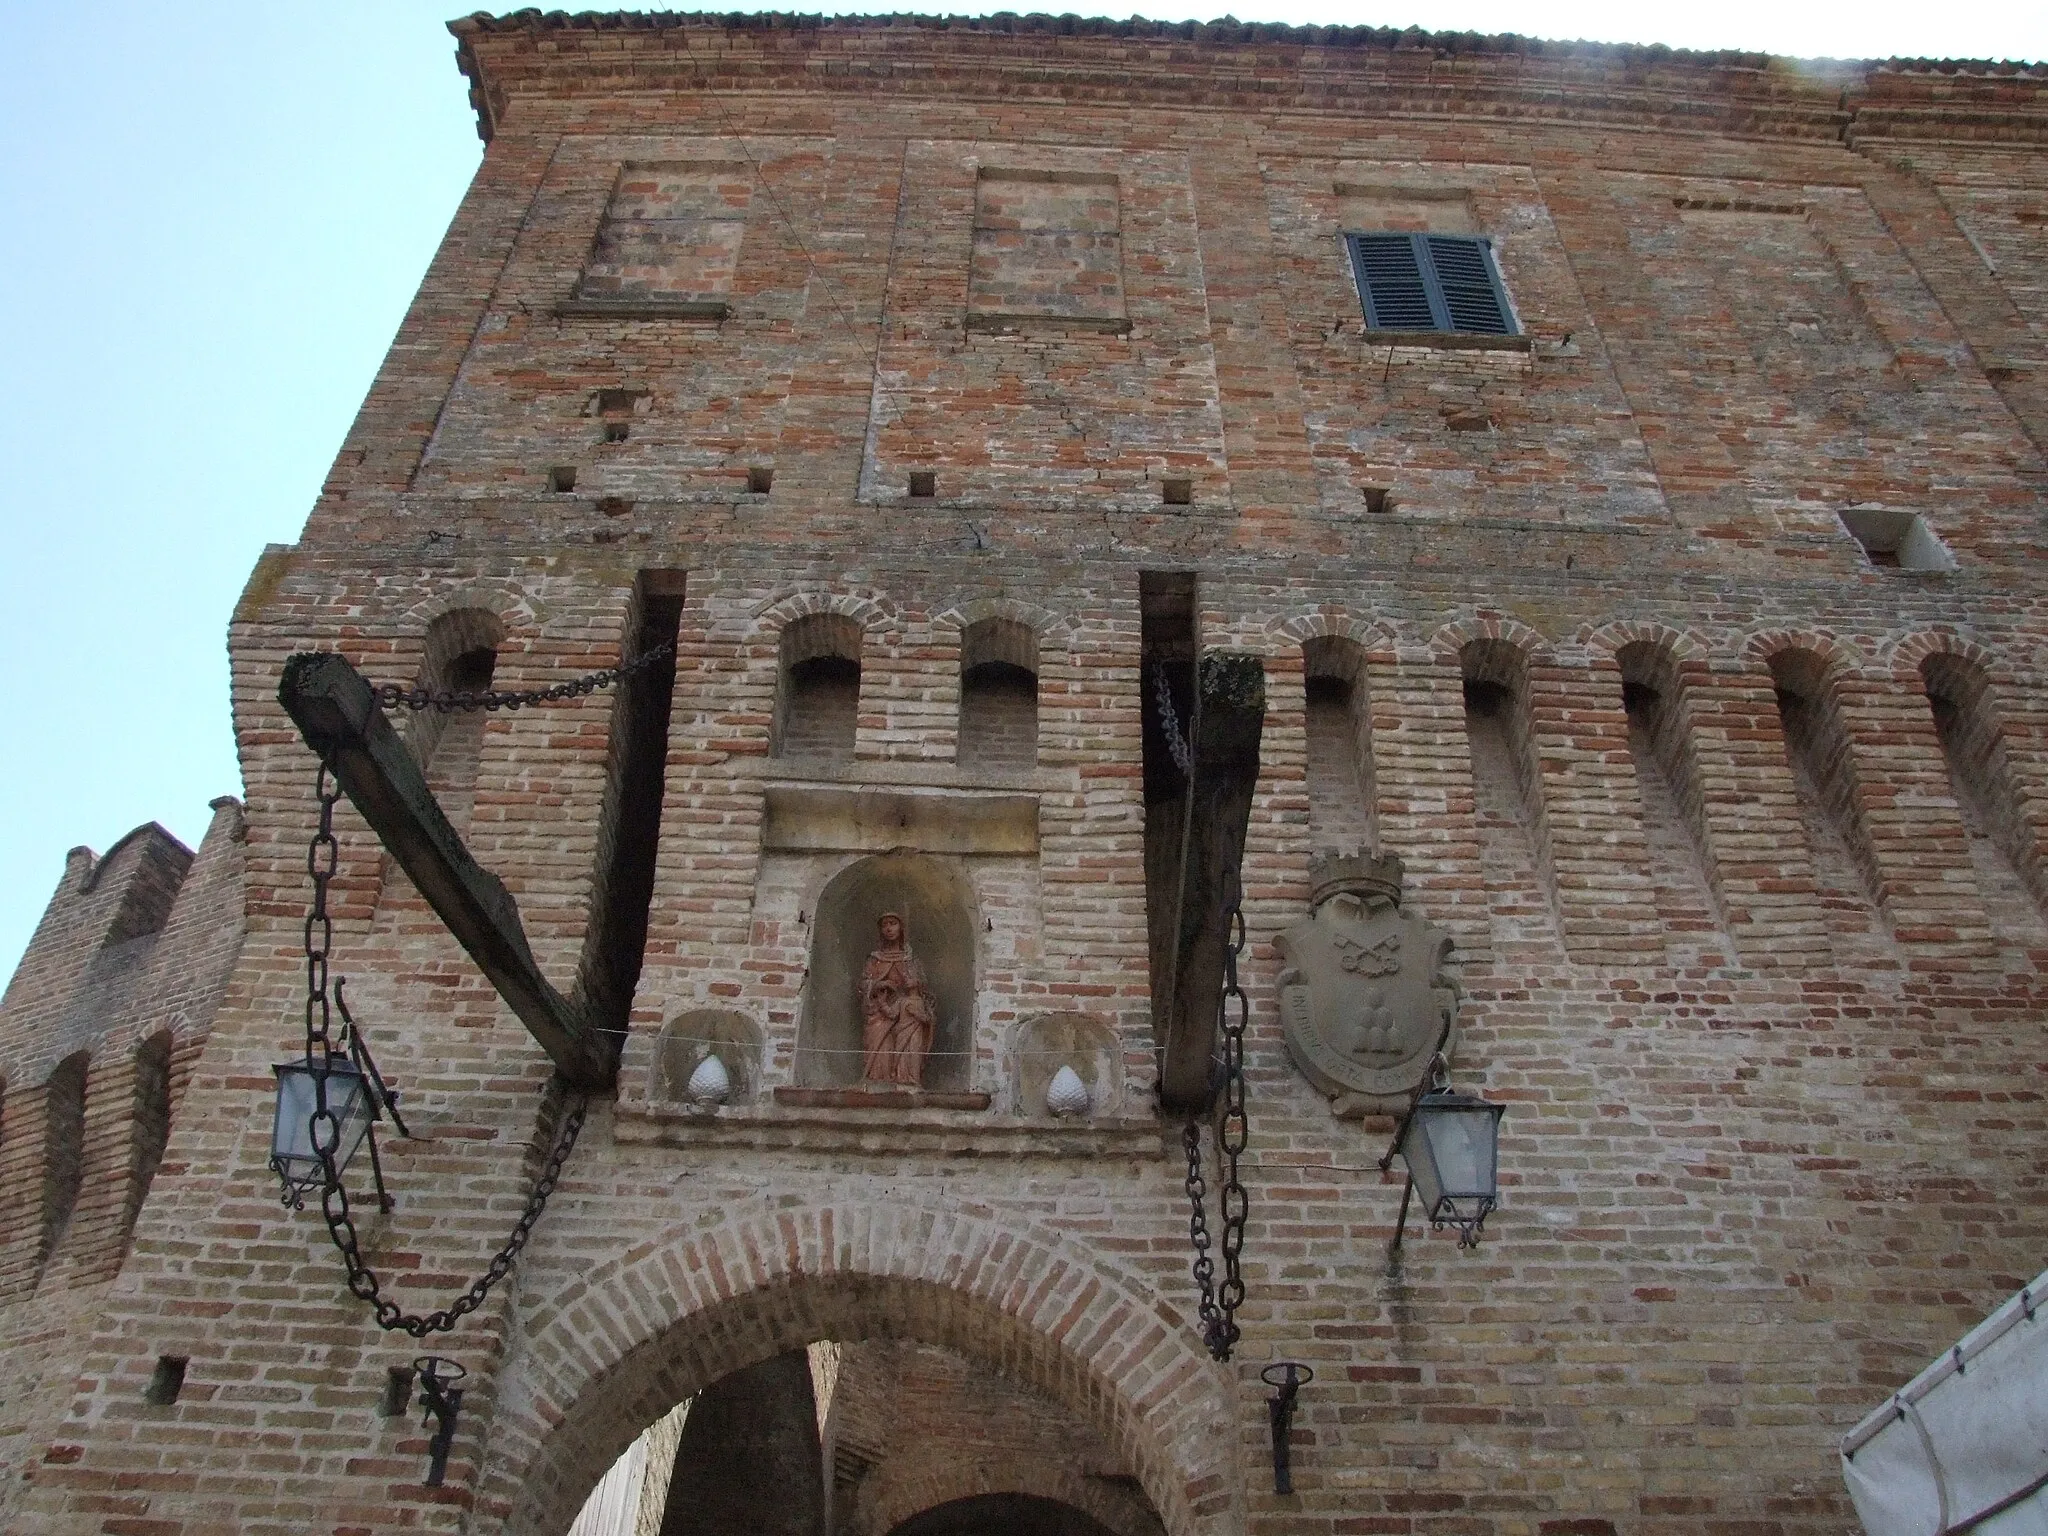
630 1338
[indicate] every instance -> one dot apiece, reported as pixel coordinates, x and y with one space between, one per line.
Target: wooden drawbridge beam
336 710
1199 871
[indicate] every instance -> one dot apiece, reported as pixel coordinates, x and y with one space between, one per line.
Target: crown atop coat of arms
1375 876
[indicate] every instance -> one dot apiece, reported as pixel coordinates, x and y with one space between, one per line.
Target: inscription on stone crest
1364 996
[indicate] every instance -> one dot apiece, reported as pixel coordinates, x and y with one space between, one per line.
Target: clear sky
212 216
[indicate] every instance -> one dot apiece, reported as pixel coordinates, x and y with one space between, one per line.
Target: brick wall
1740 960
99 1033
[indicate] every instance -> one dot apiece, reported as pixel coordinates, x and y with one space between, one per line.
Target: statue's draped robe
897 1017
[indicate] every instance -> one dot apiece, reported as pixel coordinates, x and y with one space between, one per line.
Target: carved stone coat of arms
1364 995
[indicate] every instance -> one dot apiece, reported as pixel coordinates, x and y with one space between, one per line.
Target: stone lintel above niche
833 818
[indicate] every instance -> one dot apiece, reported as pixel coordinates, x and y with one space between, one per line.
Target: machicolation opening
459 654
1899 541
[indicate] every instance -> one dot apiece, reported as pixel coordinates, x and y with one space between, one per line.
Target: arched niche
1054 1040
1003 1514
817 700
937 904
151 1119
63 1147
998 696
688 1038
460 655
1338 722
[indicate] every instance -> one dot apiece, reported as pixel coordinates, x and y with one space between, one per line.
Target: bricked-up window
671 231
1339 721
152 1118
1442 283
817 706
63 1147
998 696
1048 248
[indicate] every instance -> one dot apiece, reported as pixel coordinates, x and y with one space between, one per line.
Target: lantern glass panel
1451 1148
291 1137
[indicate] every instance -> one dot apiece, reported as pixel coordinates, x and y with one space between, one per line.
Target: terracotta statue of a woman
898 1014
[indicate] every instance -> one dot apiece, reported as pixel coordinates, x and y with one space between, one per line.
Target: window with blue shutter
1430 283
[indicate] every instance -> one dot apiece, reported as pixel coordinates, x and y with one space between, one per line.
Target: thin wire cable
839 1050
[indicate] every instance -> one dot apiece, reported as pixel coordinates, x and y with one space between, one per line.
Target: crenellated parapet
99 1030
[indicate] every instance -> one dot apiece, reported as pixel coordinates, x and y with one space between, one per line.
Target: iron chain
1198 1229
1169 725
453 700
1233 1126
323 857
364 1284
1217 1304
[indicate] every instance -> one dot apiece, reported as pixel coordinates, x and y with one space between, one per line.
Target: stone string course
1765 1006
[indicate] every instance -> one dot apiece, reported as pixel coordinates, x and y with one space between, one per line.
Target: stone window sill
1447 341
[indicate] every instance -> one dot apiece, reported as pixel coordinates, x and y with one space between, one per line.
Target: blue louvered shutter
1471 290
1430 283
1390 283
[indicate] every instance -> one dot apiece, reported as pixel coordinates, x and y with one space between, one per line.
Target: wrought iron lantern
302 1144
294 1154
1450 1143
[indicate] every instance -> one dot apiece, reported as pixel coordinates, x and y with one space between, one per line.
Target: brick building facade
1677 627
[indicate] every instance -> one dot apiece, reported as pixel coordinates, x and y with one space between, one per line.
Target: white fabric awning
1964 1445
